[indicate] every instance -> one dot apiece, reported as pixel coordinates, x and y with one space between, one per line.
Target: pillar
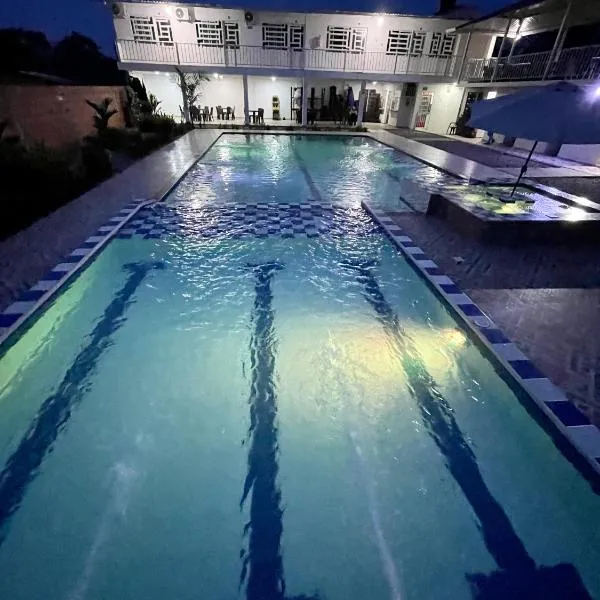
246 109
304 102
361 102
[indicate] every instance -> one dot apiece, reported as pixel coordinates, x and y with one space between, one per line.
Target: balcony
574 63
185 54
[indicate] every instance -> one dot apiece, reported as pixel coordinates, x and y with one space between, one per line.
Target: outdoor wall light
216 75
273 78
379 21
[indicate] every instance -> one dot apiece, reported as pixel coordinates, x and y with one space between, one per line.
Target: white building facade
411 63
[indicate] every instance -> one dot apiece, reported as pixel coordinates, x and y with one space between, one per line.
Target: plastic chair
211 112
261 116
451 130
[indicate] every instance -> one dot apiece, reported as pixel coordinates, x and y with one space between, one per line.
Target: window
405 42
448 44
164 32
209 33
231 33
358 39
143 29
274 36
398 42
297 37
338 38
442 44
147 30
343 39
417 43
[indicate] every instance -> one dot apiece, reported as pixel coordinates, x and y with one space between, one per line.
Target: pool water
242 400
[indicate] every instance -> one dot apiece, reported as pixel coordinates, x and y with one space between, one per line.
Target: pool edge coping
29 302
576 428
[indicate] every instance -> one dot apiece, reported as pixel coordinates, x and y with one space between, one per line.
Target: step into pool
250 393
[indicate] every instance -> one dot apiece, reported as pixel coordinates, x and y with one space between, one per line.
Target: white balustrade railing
310 59
573 63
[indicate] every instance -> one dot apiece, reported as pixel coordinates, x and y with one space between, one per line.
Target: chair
205 114
212 108
233 113
219 112
451 129
261 116
228 112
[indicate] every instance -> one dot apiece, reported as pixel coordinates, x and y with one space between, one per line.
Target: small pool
251 394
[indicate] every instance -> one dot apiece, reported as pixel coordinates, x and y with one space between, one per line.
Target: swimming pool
251 394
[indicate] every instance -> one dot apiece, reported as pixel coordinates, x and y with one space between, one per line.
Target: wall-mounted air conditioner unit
315 42
184 13
249 18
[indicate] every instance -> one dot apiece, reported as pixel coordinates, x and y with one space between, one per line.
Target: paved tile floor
545 298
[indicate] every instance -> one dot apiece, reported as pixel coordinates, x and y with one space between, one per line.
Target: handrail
582 62
189 54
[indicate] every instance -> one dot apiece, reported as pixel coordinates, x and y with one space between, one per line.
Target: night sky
56 18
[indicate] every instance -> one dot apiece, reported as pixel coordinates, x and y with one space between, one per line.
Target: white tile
95 239
402 239
426 264
543 389
414 250
482 321
508 351
81 252
587 438
44 285
459 299
441 279
17 308
64 267
106 228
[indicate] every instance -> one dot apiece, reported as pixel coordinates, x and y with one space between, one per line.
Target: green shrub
162 125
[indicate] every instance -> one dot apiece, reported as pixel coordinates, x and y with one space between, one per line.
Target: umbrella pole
523 168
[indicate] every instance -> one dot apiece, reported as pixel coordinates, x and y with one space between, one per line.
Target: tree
24 50
189 84
78 57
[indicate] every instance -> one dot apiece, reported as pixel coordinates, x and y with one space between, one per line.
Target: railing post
557 40
408 64
177 53
464 57
345 56
396 64
501 48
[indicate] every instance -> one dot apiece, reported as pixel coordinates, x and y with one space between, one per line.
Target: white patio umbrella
559 113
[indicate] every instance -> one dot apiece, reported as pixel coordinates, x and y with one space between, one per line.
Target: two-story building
259 59
415 71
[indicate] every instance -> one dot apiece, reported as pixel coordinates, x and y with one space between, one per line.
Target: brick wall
55 114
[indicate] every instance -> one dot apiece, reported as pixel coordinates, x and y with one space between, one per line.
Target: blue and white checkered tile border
234 220
567 417
15 314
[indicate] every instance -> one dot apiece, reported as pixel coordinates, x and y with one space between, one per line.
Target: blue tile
568 414
494 336
89 244
470 310
54 275
450 288
8 320
71 259
31 295
525 369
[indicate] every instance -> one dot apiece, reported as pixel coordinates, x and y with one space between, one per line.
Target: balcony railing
573 63
309 59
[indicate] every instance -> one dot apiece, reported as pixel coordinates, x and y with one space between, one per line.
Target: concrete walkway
28 255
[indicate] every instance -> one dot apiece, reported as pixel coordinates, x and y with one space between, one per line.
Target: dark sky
57 18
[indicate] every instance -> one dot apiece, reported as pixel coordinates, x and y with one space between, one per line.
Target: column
304 102
558 41
361 102
246 109
508 24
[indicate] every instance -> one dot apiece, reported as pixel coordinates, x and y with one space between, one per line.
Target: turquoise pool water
212 414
